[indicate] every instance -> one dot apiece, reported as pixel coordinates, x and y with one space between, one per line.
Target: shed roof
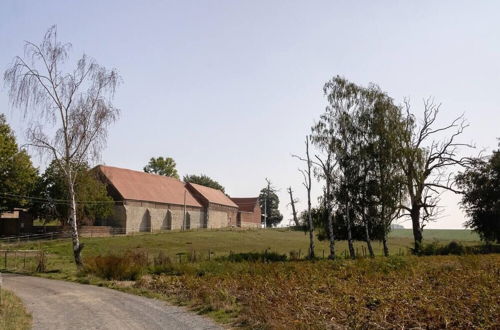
246 204
141 186
213 195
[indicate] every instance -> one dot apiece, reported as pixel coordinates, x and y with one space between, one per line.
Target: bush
129 266
41 262
162 264
453 247
254 257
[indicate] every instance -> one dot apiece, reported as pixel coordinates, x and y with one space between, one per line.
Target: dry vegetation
13 315
245 289
451 292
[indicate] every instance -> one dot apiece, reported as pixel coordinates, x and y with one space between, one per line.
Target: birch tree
69 111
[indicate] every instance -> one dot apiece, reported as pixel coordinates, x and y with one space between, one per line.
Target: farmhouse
149 202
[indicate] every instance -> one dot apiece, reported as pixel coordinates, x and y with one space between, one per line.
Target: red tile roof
213 195
246 204
140 186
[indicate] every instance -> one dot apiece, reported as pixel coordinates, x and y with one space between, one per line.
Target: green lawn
462 235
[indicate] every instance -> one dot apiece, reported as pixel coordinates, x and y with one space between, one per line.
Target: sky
231 88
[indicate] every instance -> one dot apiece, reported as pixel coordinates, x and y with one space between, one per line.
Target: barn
147 202
248 211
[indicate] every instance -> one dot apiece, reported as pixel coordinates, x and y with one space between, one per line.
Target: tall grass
13 315
398 292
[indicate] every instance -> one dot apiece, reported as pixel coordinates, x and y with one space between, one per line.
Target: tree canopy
69 109
203 180
93 200
481 196
269 205
162 166
17 174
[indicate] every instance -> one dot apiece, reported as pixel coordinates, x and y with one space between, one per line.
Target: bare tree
292 203
306 173
426 162
70 111
326 168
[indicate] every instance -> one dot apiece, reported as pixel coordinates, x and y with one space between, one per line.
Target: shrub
129 266
41 262
254 257
453 247
162 264
294 255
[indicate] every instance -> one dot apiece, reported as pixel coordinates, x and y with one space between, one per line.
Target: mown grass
398 292
13 315
462 235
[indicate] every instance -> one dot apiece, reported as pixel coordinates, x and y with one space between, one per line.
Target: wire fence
23 260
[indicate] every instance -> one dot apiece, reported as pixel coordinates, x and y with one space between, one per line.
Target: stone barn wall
137 216
220 216
249 220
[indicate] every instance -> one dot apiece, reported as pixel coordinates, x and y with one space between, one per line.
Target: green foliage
129 266
162 166
360 129
437 249
17 174
203 180
254 257
270 200
481 198
93 202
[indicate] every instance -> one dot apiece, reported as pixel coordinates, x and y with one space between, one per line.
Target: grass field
402 291
13 315
461 235
217 243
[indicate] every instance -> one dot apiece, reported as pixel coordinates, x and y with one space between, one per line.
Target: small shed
15 222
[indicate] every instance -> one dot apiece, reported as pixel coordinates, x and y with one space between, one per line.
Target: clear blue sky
231 88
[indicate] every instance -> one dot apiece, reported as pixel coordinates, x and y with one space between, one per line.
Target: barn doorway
167 221
188 221
145 225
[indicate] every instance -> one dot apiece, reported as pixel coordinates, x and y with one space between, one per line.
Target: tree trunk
367 237
294 212
311 226
77 247
349 233
330 234
384 242
417 230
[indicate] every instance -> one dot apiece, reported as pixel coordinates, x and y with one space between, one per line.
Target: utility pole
184 219
265 212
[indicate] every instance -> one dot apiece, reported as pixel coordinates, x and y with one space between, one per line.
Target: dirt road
65 305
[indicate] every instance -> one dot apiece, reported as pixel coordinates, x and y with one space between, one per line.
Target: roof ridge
141 172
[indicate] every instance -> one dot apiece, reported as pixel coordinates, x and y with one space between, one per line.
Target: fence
93 231
22 260
88 231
